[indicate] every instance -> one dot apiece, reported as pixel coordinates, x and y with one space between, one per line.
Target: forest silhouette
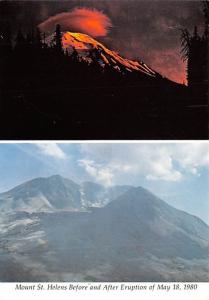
49 93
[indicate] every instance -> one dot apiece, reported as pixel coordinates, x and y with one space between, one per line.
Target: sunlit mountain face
90 50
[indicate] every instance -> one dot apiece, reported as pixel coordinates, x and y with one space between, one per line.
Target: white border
104 142
9 291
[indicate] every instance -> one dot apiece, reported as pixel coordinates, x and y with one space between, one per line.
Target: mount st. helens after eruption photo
104 69
108 222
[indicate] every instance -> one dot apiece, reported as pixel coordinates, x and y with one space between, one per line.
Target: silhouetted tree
195 52
20 40
44 43
206 11
30 37
58 39
206 14
74 55
38 38
5 40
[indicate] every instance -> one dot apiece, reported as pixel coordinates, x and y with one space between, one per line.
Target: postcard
104 69
110 218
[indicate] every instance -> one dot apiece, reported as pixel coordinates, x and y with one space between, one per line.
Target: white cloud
192 156
162 169
51 149
98 172
153 161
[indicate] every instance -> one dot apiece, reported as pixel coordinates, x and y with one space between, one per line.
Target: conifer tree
195 51
38 38
20 40
58 39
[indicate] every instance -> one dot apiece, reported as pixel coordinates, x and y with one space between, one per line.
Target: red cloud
84 20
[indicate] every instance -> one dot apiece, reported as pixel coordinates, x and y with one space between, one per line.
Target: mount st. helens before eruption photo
53 229
104 69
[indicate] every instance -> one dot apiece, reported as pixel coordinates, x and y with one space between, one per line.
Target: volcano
87 91
42 194
133 237
90 50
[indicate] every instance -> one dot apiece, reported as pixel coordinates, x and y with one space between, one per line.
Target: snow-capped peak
89 49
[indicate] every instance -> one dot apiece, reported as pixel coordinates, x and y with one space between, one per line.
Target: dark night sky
148 30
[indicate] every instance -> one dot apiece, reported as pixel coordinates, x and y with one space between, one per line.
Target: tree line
34 61
195 50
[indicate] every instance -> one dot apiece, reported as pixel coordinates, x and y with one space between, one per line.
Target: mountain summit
56 193
90 50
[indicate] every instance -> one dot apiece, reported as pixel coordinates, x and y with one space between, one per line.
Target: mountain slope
57 193
90 50
42 194
155 226
136 237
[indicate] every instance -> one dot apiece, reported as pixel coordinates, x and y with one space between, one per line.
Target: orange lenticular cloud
84 20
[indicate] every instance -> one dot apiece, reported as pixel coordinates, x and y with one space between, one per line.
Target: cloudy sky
178 173
148 30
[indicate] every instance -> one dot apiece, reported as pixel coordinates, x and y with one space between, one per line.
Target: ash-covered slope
56 193
42 194
136 237
141 219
